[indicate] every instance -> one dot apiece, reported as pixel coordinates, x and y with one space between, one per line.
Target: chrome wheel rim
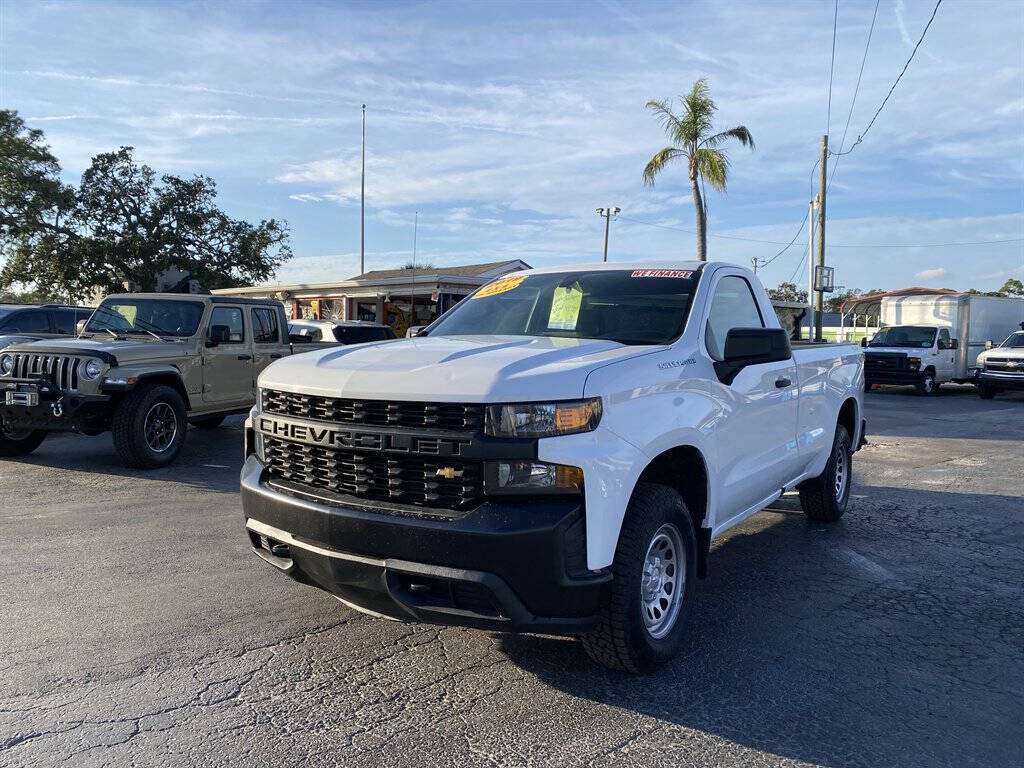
161 427
929 383
663 581
842 474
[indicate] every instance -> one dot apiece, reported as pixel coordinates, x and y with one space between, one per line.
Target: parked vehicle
555 454
1002 367
23 322
345 332
144 367
927 341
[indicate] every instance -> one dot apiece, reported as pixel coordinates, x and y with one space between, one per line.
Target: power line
799 263
856 90
831 245
832 68
803 223
881 106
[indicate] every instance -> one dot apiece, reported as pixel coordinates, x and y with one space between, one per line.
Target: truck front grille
884 361
62 370
459 416
1004 365
396 479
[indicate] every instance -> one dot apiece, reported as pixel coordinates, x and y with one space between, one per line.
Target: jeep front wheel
19 442
149 427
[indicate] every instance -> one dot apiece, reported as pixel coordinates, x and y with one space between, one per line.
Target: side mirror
988 344
863 341
954 344
80 327
751 346
219 334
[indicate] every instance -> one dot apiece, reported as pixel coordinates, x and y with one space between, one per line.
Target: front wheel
927 385
987 391
149 427
825 497
19 442
642 620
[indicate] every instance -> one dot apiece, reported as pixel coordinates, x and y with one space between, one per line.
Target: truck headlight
91 368
543 419
914 363
6 365
532 477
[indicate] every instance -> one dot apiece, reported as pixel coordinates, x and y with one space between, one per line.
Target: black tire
138 448
621 640
210 422
19 442
927 386
987 392
820 497
868 385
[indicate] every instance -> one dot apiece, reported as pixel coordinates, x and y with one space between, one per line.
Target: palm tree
693 140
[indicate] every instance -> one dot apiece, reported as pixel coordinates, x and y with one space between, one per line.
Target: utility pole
754 262
362 202
820 298
607 213
810 270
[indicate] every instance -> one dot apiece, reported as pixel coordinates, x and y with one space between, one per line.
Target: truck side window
27 321
732 306
944 339
264 326
232 318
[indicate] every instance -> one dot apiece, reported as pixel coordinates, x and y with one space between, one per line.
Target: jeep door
267 343
227 358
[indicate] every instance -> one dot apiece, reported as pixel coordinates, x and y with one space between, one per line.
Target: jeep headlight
6 365
914 363
543 419
91 368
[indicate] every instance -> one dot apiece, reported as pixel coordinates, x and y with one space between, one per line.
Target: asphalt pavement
139 630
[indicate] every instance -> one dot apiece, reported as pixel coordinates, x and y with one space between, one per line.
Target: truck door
756 443
945 356
227 358
267 345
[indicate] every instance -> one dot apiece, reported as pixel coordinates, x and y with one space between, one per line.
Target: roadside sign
824 279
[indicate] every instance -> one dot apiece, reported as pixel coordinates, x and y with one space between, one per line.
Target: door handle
783 382
245 357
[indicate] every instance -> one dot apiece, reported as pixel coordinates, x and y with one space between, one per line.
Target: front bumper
517 565
51 408
1001 380
903 376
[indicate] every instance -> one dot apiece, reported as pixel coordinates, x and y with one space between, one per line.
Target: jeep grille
62 370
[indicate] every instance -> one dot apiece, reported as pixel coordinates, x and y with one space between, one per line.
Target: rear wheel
825 497
19 442
149 427
210 422
642 621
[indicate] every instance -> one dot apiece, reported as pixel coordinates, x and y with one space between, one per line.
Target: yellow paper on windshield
128 312
499 286
565 308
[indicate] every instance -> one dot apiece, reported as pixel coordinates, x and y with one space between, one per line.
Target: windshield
643 306
1014 340
904 336
146 316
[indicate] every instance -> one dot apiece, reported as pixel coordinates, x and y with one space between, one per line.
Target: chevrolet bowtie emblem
449 473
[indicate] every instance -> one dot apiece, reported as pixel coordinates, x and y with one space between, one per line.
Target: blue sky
506 125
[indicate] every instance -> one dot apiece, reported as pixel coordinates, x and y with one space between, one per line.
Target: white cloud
927 275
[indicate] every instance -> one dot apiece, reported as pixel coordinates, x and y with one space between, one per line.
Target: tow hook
58 410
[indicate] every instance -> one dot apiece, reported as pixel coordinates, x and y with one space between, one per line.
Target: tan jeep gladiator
143 368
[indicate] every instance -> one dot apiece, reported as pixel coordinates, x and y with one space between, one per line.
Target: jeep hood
126 351
450 368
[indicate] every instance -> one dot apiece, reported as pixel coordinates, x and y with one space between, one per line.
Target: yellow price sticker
501 285
565 308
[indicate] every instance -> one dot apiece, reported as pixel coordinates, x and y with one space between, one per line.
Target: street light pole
412 292
607 213
362 202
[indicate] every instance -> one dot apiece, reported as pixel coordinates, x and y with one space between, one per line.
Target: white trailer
971 319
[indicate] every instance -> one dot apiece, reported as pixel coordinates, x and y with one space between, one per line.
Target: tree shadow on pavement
895 637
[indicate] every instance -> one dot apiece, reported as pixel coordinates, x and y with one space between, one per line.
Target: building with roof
398 297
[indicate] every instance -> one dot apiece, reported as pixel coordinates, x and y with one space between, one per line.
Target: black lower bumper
510 566
1001 381
54 410
893 376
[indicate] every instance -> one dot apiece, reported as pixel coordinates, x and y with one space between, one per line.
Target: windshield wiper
158 338
111 333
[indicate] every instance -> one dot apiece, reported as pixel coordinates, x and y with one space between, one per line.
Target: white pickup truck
555 454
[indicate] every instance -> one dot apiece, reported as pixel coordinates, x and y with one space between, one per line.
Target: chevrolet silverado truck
1002 368
143 368
555 454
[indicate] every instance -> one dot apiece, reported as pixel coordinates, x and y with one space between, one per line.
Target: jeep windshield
642 306
146 317
904 336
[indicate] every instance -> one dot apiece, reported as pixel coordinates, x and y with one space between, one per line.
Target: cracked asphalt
138 629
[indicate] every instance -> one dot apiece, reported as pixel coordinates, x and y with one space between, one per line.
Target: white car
556 455
1002 368
344 332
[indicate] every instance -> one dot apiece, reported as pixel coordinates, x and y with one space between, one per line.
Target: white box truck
929 340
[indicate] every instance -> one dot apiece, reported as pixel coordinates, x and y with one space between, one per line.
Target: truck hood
1006 353
126 351
914 351
450 368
